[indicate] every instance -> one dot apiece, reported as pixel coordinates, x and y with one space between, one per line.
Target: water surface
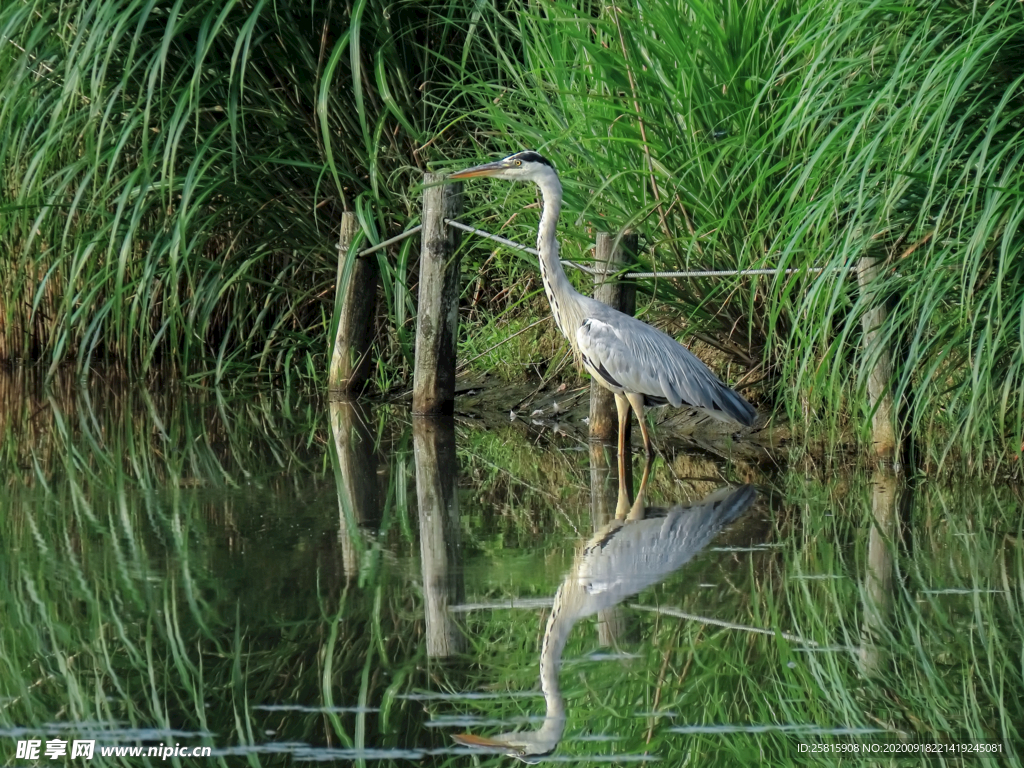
288 580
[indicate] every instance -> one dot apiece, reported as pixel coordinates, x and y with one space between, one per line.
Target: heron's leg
622 406
637 401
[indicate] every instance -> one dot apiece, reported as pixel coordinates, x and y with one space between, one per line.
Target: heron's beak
487 169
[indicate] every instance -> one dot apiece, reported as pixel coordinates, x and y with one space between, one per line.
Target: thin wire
641 275
742 272
719 623
601 272
496 238
389 241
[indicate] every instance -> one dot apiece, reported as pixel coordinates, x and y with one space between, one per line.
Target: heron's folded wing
638 358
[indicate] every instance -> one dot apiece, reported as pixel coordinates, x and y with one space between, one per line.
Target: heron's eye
519 162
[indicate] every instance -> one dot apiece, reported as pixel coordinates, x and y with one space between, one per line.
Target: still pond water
283 580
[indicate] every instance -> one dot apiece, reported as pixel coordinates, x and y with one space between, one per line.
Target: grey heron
640 547
641 365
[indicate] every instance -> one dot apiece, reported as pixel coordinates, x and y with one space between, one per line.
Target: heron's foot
651 450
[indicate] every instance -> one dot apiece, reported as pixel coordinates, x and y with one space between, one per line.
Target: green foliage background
174 174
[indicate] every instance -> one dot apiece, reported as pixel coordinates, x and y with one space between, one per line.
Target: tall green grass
173 177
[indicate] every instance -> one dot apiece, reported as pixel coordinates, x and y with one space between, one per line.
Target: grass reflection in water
248 573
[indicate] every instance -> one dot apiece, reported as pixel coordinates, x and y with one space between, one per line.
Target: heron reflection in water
640 547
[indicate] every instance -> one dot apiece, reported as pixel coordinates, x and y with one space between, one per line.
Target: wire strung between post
645 275
496 238
391 240
740 272
598 272
719 623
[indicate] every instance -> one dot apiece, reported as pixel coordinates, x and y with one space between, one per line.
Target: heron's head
522 166
526 746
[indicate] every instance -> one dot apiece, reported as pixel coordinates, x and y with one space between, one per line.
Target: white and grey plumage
641 547
640 364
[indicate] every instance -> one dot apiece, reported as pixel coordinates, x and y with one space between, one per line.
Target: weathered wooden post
621 295
884 438
350 363
437 315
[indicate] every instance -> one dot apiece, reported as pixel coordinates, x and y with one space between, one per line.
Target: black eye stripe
530 157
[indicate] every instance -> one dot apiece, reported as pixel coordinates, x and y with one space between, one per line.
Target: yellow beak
487 169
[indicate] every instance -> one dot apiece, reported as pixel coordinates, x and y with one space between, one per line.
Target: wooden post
350 363
604 420
883 428
437 313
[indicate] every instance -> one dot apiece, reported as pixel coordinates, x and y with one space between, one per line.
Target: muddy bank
549 410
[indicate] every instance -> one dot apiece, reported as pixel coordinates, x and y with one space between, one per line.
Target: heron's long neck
561 295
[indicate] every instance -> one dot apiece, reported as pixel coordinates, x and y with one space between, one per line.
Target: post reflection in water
886 493
611 621
356 467
440 541
640 547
